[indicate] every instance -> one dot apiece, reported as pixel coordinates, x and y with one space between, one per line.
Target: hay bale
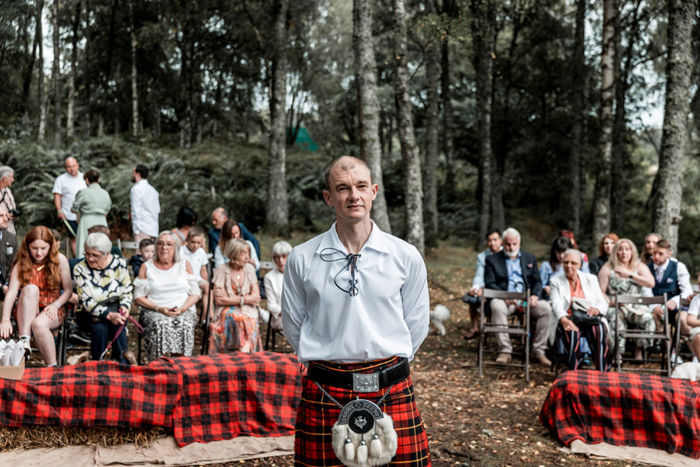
30 437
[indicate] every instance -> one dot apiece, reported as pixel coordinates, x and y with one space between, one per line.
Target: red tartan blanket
201 398
624 410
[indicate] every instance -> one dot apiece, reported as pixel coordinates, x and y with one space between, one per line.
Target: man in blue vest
673 279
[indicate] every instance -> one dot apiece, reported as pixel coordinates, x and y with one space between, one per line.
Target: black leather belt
360 382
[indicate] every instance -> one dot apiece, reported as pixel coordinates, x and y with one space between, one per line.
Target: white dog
688 370
438 316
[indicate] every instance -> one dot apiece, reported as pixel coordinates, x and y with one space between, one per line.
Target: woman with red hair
604 249
42 275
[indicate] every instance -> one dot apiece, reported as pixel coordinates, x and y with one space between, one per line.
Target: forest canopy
476 113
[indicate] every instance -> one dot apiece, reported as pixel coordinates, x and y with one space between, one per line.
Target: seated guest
236 296
218 217
604 249
693 322
624 274
166 292
671 277
42 275
232 229
649 244
553 267
513 270
473 297
8 250
570 235
193 252
273 283
577 288
104 290
186 219
146 251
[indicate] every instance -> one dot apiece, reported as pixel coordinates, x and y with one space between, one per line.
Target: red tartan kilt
317 414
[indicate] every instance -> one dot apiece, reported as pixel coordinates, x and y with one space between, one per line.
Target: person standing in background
66 186
145 205
7 176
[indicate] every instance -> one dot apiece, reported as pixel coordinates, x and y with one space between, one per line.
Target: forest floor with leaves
473 421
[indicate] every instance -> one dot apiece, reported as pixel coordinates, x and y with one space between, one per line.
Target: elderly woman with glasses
166 292
104 290
579 307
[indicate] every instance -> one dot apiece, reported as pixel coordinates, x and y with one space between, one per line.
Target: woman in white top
230 230
273 283
167 290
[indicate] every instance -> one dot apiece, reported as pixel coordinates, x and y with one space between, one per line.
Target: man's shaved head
344 163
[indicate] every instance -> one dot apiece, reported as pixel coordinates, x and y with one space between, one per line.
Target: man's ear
327 198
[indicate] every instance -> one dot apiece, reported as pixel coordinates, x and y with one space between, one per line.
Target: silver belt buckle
365 382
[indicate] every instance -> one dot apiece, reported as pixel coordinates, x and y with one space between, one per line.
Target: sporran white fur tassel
380 444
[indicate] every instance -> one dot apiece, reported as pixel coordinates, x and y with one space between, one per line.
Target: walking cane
119 332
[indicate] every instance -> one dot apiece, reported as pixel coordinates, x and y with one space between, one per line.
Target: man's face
650 243
494 242
218 219
3 218
660 255
511 245
72 167
134 175
351 193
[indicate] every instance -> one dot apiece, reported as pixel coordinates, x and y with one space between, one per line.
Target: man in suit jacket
513 270
8 249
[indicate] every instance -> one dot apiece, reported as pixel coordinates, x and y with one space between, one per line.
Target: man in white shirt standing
65 188
355 308
145 205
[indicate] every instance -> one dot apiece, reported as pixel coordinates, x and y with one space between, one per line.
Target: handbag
579 313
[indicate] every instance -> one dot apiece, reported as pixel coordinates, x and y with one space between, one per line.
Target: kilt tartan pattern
317 414
201 399
624 410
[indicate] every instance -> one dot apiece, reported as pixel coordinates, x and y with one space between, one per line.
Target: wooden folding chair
663 335
678 333
521 330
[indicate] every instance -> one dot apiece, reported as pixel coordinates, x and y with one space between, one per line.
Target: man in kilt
355 308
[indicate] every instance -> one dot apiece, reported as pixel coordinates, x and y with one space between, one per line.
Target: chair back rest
685 302
267 265
634 300
503 295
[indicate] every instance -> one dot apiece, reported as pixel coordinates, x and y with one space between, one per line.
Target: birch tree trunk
70 113
666 212
277 219
42 98
579 111
483 28
432 72
413 191
56 76
601 204
134 75
366 77
447 120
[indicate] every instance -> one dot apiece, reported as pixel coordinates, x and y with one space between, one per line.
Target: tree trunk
88 88
578 141
666 212
618 190
30 69
432 71
601 205
366 77
42 98
277 220
134 75
413 191
447 121
56 76
70 115
484 34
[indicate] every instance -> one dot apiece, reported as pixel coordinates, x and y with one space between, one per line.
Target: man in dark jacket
513 270
8 250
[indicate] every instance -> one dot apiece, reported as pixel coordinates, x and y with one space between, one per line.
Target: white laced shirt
388 316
